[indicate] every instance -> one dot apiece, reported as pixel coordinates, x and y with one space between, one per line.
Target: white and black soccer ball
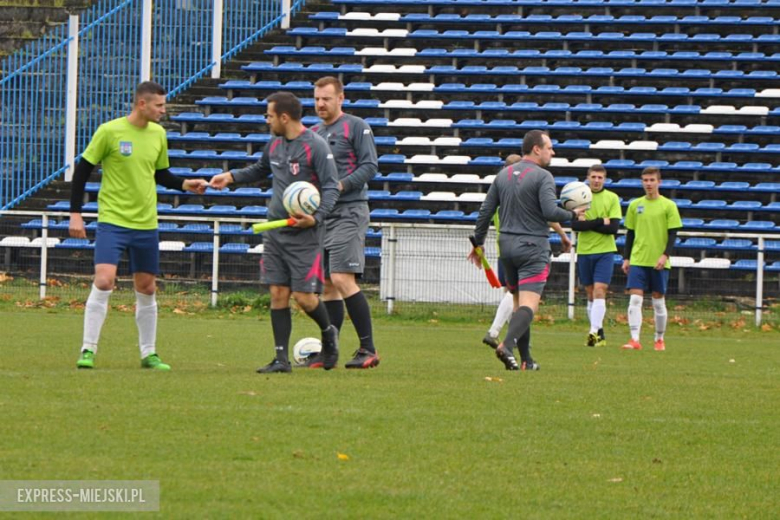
301 197
576 194
305 348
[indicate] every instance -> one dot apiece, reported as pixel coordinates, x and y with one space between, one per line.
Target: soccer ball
301 197
576 194
305 348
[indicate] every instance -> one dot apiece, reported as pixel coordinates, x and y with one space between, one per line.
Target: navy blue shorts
596 268
143 247
501 277
648 279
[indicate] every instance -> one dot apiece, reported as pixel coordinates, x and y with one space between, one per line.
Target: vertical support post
44 255
286 13
146 40
759 280
572 275
390 269
215 266
72 95
216 39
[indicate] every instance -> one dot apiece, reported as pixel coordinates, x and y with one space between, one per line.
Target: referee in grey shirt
352 143
524 194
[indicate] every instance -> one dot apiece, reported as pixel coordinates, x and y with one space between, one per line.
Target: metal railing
57 90
425 264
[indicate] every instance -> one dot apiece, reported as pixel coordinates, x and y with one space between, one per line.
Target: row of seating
370 252
533 107
525 54
487 142
444 215
493 161
474 180
577 4
511 70
509 89
165 245
514 36
449 196
546 19
169 227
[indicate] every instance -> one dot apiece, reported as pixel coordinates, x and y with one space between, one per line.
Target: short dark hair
330 80
652 170
147 88
512 159
531 139
597 168
286 103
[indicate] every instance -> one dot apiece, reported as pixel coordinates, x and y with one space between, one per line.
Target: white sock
659 306
635 316
146 320
503 313
590 310
94 316
597 315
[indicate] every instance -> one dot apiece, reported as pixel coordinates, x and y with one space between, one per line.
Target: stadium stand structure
449 87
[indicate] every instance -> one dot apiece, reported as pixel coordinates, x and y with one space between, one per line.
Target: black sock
320 316
360 314
518 326
524 346
335 312
601 333
281 323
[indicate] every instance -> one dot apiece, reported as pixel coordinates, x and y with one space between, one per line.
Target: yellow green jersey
130 156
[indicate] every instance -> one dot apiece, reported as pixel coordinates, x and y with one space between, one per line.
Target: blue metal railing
32 113
109 64
33 90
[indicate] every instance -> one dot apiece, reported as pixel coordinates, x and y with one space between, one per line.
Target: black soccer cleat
507 358
274 367
312 361
363 359
490 341
330 347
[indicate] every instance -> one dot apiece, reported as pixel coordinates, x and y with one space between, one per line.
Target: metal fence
58 89
411 270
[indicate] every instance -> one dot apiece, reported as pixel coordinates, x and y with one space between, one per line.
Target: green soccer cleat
153 361
87 359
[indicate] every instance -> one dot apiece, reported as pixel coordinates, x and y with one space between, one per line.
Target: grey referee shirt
524 194
352 143
305 158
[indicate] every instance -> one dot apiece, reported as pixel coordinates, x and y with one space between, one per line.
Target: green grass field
689 433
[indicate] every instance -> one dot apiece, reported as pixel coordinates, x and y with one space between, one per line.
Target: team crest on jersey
640 210
295 168
126 148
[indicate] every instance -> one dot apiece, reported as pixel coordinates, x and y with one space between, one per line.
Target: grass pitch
439 430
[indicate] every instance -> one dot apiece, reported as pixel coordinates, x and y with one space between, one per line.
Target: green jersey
130 156
605 204
651 220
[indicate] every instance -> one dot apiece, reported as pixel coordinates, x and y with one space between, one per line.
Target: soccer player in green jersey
652 222
596 249
134 153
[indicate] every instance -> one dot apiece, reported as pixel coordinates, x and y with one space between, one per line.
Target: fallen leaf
657 461
766 328
298 454
248 392
732 360
616 479
494 379
596 415
342 456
